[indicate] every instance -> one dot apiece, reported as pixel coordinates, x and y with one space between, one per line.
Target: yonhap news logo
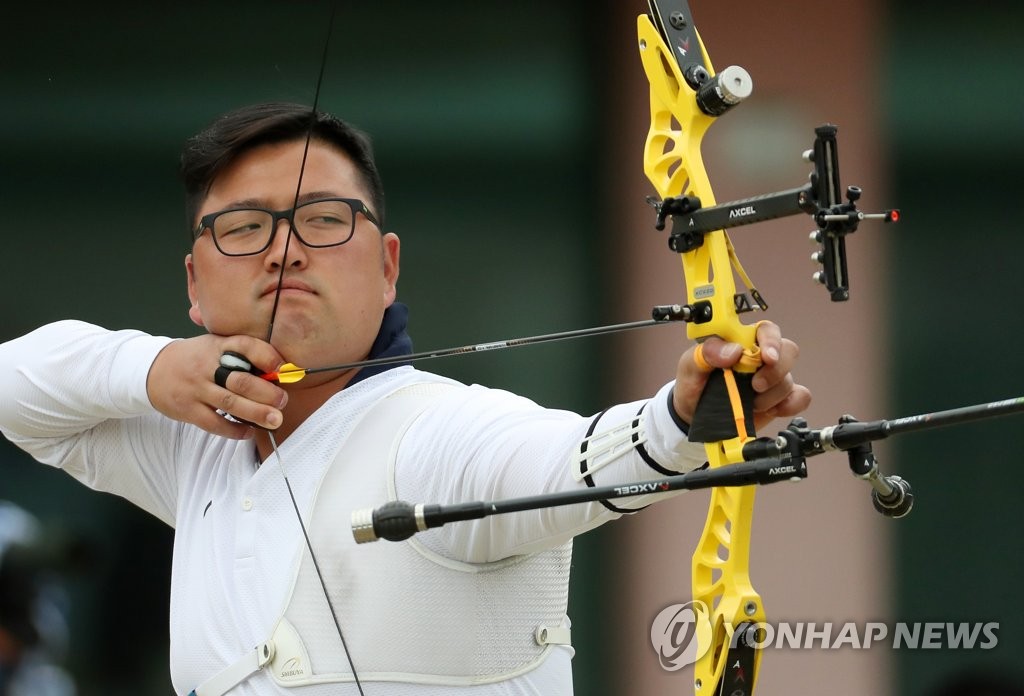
681 634
676 633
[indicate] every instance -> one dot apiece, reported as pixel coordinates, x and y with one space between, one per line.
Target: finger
213 422
717 353
771 398
773 372
795 402
769 339
221 374
258 390
232 401
260 354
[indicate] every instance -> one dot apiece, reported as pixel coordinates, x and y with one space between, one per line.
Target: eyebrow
262 202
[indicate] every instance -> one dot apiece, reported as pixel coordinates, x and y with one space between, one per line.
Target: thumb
694 367
714 352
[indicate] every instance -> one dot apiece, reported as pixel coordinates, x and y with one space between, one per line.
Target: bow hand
775 393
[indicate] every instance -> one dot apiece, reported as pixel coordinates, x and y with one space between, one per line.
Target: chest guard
408 613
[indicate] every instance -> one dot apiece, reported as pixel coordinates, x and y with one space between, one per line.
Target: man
472 608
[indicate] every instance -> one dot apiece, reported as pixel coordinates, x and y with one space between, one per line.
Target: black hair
207 153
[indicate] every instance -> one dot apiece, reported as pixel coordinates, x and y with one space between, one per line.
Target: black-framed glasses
322 223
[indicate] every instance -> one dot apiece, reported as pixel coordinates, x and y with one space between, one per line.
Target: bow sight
713 95
820 198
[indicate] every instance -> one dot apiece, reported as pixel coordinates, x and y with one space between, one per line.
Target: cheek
219 284
358 268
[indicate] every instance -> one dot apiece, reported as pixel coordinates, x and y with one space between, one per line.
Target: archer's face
333 297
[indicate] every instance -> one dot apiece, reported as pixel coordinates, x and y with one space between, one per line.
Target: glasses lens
242 231
325 223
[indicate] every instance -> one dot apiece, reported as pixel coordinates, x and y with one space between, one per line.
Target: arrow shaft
492 345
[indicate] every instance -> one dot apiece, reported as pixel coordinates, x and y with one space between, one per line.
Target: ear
391 247
193 295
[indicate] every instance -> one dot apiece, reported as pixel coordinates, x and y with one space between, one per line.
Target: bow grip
725 410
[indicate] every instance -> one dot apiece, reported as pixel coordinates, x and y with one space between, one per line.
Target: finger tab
220 376
235 361
231 361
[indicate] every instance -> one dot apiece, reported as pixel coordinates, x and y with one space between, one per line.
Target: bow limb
673 163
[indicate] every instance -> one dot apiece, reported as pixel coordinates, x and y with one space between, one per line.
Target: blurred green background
489 127
956 127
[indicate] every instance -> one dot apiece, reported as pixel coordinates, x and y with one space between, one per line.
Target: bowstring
316 563
270 332
302 168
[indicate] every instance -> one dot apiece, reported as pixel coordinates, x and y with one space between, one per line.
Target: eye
324 214
324 220
238 223
239 230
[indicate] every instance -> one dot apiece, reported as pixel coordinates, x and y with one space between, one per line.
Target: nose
285 248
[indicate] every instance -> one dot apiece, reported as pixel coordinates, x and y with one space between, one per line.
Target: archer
289 232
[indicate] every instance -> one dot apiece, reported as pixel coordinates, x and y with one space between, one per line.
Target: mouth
289 287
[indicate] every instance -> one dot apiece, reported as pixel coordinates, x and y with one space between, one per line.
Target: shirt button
247 504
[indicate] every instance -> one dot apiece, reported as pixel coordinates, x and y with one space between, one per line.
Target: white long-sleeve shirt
75 397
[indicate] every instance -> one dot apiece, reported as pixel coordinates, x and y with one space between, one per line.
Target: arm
73 396
484 444
93 401
487 445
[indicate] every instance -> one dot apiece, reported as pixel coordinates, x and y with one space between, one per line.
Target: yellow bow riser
673 163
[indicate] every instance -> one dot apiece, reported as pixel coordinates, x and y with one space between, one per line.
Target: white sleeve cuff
130 372
667 443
